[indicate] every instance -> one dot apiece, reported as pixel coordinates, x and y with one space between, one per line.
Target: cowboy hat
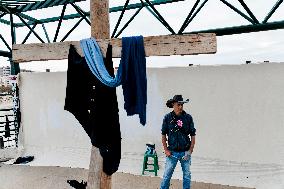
176 98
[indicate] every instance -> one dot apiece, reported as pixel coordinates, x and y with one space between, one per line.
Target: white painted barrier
238 112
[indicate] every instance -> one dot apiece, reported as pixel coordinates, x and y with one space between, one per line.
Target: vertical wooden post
99 15
95 169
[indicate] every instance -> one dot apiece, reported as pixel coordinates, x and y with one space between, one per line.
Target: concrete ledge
9 153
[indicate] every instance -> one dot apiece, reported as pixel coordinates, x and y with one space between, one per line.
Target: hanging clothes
131 72
134 84
94 59
95 106
7 127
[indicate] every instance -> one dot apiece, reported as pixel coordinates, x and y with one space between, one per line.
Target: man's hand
168 153
164 142
192 144
191 150
186 155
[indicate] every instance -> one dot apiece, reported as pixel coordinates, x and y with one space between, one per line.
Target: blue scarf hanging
94 59
131 72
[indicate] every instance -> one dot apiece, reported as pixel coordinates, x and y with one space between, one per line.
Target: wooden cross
154 46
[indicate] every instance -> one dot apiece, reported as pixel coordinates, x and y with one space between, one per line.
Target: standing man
178 146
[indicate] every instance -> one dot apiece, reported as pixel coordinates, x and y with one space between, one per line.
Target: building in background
5 71
5 77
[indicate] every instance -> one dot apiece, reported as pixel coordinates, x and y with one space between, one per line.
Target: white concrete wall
238 112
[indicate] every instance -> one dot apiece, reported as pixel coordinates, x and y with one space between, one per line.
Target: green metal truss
21 6
20 9
29 5
72 16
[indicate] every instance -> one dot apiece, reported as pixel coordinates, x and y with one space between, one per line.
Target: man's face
178 108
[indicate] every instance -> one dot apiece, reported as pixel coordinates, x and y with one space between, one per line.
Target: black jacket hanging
95 107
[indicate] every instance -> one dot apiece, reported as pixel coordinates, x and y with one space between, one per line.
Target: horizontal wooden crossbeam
165 45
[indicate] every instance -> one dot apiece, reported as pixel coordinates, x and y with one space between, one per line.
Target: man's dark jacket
178 137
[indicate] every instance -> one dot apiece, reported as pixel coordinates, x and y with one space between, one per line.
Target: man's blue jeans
171 163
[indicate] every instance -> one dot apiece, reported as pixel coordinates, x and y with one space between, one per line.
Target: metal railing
9 127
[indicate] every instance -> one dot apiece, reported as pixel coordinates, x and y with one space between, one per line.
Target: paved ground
31 177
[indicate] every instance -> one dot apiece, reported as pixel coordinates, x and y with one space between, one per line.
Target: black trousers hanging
95 107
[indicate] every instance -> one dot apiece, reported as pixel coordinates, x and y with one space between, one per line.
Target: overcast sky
231 49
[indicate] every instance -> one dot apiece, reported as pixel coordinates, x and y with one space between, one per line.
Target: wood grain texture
95 169
99 15
154 46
